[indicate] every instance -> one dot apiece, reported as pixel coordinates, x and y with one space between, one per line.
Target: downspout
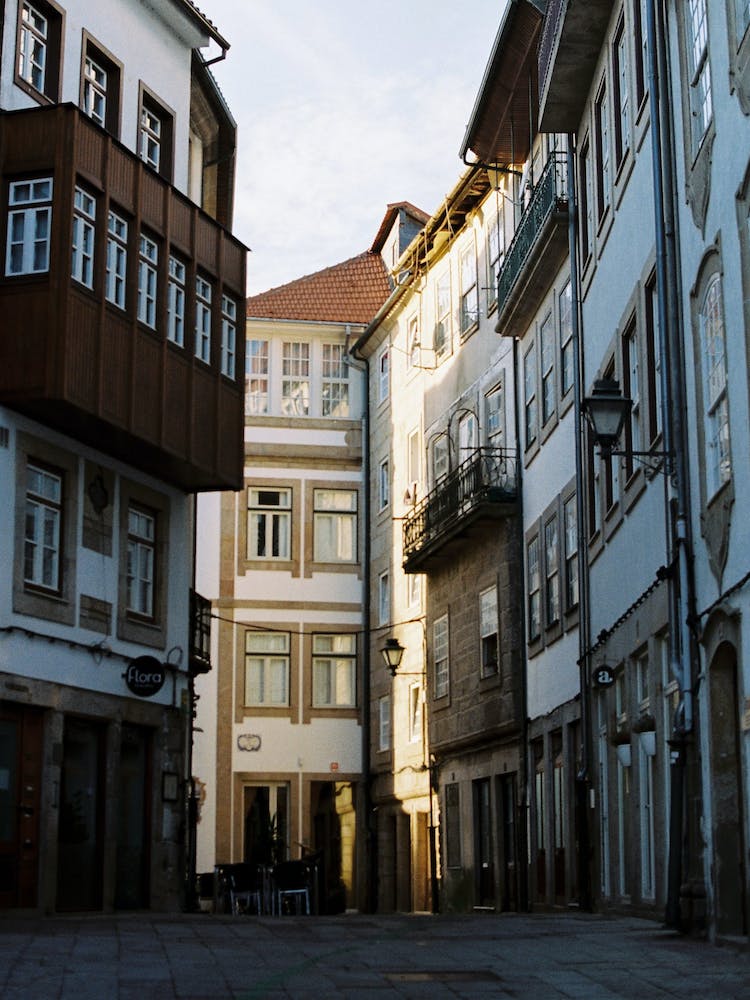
523 805
371 854
583 775
677 505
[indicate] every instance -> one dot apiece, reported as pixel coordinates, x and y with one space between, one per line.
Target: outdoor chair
291 887
245 889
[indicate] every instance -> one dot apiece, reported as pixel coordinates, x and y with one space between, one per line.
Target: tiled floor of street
205 957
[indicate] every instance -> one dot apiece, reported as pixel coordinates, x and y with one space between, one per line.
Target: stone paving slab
148 956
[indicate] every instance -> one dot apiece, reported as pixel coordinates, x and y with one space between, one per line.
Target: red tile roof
350 292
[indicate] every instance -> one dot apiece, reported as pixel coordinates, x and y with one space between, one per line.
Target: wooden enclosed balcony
483 488
74 360
537 250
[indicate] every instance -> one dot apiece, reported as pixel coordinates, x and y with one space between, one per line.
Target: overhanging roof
503 120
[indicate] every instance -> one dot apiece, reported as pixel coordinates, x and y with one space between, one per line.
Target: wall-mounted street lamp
392 652
606 410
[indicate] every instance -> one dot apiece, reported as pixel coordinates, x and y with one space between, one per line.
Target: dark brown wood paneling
121 179
91 145
181 224
206 243
235 259
203 422
152 200
176 415
147 396
82 356
116 367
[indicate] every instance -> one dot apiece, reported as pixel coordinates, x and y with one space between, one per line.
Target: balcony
538 248
482 489
572 37
200 634
90 369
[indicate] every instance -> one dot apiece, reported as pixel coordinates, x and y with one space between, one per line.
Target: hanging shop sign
145 676
603 676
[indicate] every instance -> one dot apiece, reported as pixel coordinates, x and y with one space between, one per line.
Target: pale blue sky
342 107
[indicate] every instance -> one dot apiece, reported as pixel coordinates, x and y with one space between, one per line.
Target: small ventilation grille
4 437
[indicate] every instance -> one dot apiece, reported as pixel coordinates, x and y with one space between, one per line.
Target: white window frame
271 653
257 372
494 408
43 519
603 157
495 254
29 226
621 78
384 484
384 723
547 358
334 401
565 322
530 401
570 552
141 562
334 670
699 70
117 259
269 523
95 78
534 587
413 347
84 230
150 137
441 656
228 336
34 47
489 632
551 571
334 525
295 378
416 702
441 458
715 388
442 337
176 302
384 374
469 290
203 294
148 260
384 598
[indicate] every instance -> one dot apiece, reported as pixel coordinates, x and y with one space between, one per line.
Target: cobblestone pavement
205 957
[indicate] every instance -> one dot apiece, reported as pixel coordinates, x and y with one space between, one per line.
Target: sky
343 107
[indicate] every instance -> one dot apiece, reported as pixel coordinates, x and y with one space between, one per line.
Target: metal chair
245 889
291 886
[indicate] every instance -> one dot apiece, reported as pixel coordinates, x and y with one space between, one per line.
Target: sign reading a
603 676
145 676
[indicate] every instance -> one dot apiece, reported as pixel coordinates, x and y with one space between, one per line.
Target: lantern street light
606 410
392 652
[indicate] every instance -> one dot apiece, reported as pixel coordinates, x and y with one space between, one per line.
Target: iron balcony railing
489 475
548 196
200 633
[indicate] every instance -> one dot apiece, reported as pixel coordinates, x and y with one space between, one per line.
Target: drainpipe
583 776
677 501
371 853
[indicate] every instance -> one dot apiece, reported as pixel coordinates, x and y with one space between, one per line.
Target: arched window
715 403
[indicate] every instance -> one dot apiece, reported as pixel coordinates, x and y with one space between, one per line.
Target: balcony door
468 436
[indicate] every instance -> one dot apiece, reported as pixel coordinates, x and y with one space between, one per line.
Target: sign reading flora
145 676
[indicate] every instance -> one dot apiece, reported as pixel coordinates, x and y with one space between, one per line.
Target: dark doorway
133 821
79 859
726 791
20 782
266 824
484 869
508 842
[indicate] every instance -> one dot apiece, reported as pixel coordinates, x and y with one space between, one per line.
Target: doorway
266 833
508 842
726 792
133 820
20 783
484 869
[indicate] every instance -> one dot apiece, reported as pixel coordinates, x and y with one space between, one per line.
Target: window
585 194
266 668
415 713
29 219
141 568
413 346
228 336
414 590
39 48
335 525
631 390
716 407
534 586
256 378
570 528
601 119
335 390
295 379
155 132
468 437
440 656
653 360
621 92
414 462
384 375
699 70
269 523
529 396
641 50
495 416
440 457
441 337
384 598
551 573
384 722
594 464
469 298
384 484
495 251
117 259
84 219
547 351
334 671
148 258
100 87
176 302
41 548
202 319
567 360
488 632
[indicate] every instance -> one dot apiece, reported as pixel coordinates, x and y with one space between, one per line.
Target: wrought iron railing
489 475
549 195
200 633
